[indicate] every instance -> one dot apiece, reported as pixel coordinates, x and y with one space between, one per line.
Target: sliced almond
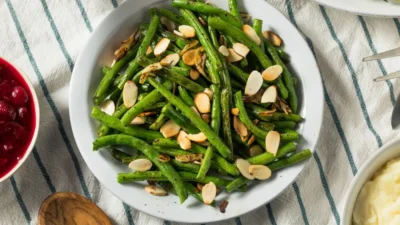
202 102
260 172
282 104
269 95
169 24
183 141
239 126
140 165
200 186
130 94
143 114
170 129
251 140
208 192
126 46
108 107
152 68
189 58
251 33
170 60
272 142
155 190
256 150
163 158
178 33
187 31
189 46
161 46
243 166
200 60
233 56
245 17
235 111
194 74
189 158
241 49
195 110
202 21
206 117
149 50
273 38
137 121
223 50
209 93
272 72
254 83
200 137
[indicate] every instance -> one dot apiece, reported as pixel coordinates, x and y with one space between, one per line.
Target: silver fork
388 54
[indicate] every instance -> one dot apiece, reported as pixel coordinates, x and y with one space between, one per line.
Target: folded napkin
44 38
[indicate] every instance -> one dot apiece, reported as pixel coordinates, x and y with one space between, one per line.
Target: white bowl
365 173
35 132
99 52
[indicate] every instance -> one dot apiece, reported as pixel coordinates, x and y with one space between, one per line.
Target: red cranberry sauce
17 117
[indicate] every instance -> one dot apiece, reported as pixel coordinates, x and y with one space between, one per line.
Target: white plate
365 7
99 52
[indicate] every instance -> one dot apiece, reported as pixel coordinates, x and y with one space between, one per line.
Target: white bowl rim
36 131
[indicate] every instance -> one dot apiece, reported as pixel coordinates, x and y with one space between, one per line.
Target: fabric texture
44 37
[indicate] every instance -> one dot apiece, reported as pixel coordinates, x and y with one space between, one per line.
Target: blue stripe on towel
270 214
43 170
84 15
302 208
20 200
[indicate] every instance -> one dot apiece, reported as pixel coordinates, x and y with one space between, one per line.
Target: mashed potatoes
379 199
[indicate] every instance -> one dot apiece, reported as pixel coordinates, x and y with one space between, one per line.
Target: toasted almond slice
245 17
200 186
155 190
187 31
251 33
108 107
209 93
137 121
243 166
206 117
244 138
194 74
143 114
239 126
223 50
130 94
195 110
178 33
256 150
272 142
189 58
170 129
235 111
152 67
282 104
254 83
202 102
169 24
251 140
161 46
260 172
189 157
189 46
273 38
163 158
269 95
149 50
208 192
170 60
200 137
140 165
241 49
272 72
233 56
202 21
183 141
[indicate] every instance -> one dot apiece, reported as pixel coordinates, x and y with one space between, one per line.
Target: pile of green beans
171 93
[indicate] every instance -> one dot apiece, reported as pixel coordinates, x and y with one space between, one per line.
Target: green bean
105 70
245 118
241 75
192 191
267 157
291 160
161 119
290 136
234 9
213 36
276 116
152 98
174 38
236 86
185 96
134 65
207 9
172 152
294 81
116 124
122 156
266 126
172 16
175 77
104 130
226 120
236 184
166 142
287 77
257 26
166 169
189 167
156 106
159 176
105 83
179 119
278 124
193 117
283 55
180 70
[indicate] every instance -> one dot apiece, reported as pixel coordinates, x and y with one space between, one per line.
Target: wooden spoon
67 208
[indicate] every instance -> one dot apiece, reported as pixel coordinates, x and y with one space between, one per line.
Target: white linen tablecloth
44 38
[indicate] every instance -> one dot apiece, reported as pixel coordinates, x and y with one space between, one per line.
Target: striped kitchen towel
44 37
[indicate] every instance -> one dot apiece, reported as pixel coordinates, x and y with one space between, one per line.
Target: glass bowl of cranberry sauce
19 118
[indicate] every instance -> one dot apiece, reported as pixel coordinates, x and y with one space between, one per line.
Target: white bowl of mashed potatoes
374 195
